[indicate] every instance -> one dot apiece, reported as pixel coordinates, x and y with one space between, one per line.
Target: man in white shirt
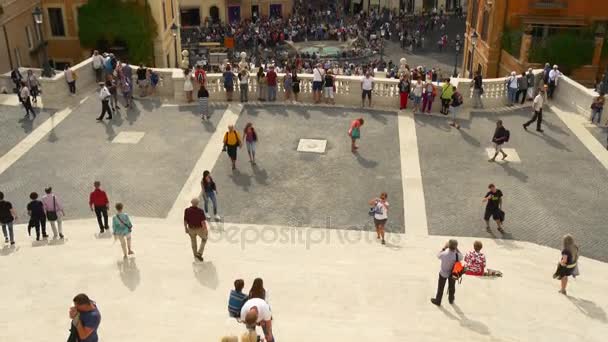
317 83
97 65
256 311
24 96
537 105
104 96
448 256
554 74
367 84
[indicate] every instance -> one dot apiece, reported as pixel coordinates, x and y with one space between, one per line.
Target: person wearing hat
554 74
104 96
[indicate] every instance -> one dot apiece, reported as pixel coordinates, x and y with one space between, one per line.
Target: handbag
52 215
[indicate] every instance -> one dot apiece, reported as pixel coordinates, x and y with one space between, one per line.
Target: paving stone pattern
558 187
600 133
308 189
146 176
14 127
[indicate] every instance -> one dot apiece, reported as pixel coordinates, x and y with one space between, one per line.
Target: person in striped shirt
237 299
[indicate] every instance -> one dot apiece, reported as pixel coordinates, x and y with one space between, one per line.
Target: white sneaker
217 217
208 216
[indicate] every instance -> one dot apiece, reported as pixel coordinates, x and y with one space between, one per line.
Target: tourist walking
329 87
446 96
455 104
261 80
317 83
428 96
127 92
537 106
354 132
597 107
501 135
493 199
477 90
228 82
449 255
296 85
188 87
70 78
232 141
288 84
195 225
209 194
512 88
105 96
567 265
379 208
203 102
404 92
17 78
367 84
244 84
35 210
97 66
98 202
85 318
554 75
417 92
142 80
522 88
34 85
271 81
7 217
24 96
122 228
113 89
531 86
54 212
251 139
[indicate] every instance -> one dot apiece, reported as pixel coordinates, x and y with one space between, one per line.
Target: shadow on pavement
589 309
206 274
466 322
129 273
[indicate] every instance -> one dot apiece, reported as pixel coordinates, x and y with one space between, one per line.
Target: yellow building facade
20 44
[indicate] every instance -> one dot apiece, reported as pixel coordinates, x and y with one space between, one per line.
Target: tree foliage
117 22
511 41
570 49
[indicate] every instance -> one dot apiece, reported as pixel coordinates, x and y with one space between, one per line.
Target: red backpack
458 270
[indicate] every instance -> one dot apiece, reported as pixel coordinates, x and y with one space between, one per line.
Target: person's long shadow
110 132
8 250
260 175
589 309
241 179
513 172
27 124
206 274
366 163
129 273
466 322
469 138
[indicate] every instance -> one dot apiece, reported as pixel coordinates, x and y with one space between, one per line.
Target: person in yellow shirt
232 141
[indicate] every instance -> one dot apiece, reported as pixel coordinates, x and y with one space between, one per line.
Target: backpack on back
507 135
458 270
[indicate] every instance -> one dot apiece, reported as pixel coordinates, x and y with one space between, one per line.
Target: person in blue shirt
237 299
85 319
121 227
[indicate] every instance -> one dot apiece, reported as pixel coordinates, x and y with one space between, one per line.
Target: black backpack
507 135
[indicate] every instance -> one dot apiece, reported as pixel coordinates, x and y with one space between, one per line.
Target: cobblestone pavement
558 187
306 189
14 127
146 176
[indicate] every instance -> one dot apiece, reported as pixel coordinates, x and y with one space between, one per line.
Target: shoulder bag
123 223
52 215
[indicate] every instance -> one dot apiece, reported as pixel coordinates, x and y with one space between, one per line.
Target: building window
56 22
485 26
172 10
18 56
165 15
168 61
474 14
30 38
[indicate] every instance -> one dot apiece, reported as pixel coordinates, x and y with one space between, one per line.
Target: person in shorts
317 83
232 141
493 207
500 136
354 132
367 84
328 90
380 207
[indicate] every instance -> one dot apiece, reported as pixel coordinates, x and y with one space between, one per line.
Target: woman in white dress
188 88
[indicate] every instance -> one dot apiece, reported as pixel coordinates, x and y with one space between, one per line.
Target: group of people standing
27 88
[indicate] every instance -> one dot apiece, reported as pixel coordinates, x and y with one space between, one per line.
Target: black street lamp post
174 30
474 37
47 71
455 74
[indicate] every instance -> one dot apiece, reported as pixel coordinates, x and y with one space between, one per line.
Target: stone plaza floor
299 220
